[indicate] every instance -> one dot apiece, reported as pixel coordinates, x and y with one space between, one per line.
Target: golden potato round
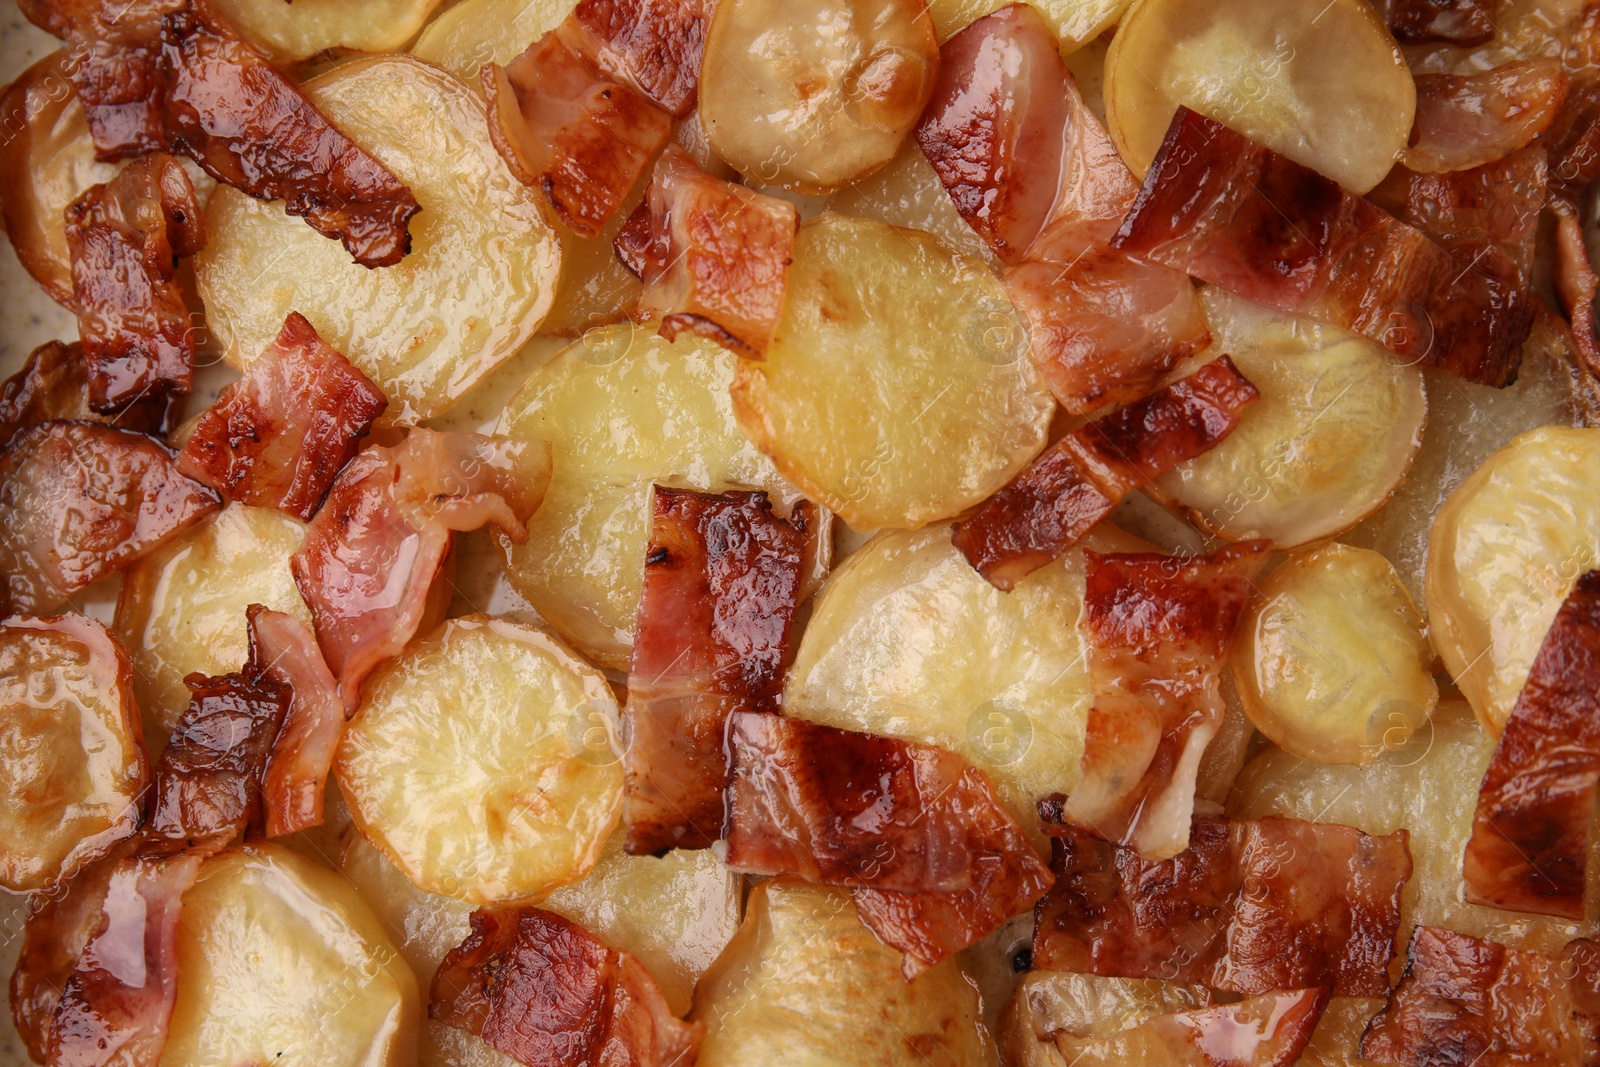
477 32
280 961
1331 661
484 762
1319 81
804 983
182 607
813 95
484 261
1332 436
1085 1005
1075 22
74 768
291 31
1504 552
897 391
622 409
908 193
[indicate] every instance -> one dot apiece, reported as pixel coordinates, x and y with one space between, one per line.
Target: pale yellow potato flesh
473 33
1084 1005
485 763
1319 81
866 398
1331 661
1505 551
289 32
622 409
182 607
280 961
1074 22
484 260
804 983
908 193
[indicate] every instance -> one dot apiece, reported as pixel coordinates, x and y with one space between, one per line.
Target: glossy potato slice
1074 22
1085 1005
484 762
291 31
480 276
280 961
810 95
869 398
622 409
474 33
182 608
1504 552
74 767
1319 81
908 193
1332 436
1331 661
804 983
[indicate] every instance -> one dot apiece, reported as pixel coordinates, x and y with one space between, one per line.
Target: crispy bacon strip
54 384
714 256
278 436
1576 284
57 928
296 774
547 993
125 238
1463 22
1251 906
367 566
80 501
721 579
656 45
1078 481
1242 217
1465 121
1271 1030
1530 837
1467 1001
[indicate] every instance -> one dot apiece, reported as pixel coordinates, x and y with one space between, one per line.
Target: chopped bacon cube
656 44
1463 22
1469 120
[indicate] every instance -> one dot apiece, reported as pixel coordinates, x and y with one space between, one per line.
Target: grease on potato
291 31
908 193
477 32
1047 1003
1074 22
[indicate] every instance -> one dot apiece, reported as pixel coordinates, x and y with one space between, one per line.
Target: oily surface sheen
296 30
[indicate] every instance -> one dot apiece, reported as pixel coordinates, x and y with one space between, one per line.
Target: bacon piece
1467 1001
1078 481
1574 137
1463 22
721 579
714 256
1465 121
367 566
278 436
80 501
656 45
547 993
1530 837
54 384
125 238
1242 217
296 774
1251 906
1266 1031
1576 284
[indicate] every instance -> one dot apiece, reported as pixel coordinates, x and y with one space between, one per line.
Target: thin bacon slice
1078 481
1242 217
714 256
1465 121
1466 1001
367 566
296 774
656 45
1574 137
1252 906
1463 22
721 579
54 384
1530 837
125 238
547 993
80 501
1576 284
278 436
1271 1030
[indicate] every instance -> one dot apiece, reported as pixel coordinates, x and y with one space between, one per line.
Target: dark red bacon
57 928
296 774
1250 907
548 993
370 557
278 436
54 384
1240 216
80 501
1078 481
125 238
1576 284
1465 121
721 579
1271 1030
1530 837
1464 22
655 44
714 256
1466 1001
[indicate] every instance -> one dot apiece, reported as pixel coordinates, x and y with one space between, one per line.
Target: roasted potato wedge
1075 22
291 31
280 961
484 260
486 807
474 33
908 193
865 399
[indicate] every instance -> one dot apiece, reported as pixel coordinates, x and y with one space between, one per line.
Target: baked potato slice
1074 22
473 33
289 32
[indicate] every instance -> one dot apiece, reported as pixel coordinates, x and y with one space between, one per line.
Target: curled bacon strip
1240 216
1270 1030
1078 481
1530 837
54 384
1465 121
125 238
714 256
1463 22
721 579
278 436
547 993
296 773
1251 906
80 501
1467 1001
